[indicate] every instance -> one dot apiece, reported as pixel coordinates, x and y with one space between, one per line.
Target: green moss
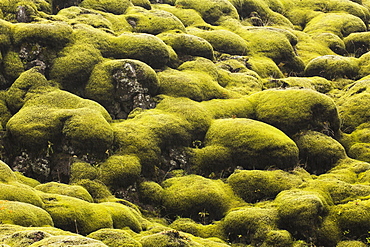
189 17
250 225
340 24
13 66
316 83
74 64
294 110
23 214
253 186
120 171
96 189
186 44
26 180
319 151
150 193
115 7
142 3
47 33
24 238
252 144
167 239
5 28
265 67
102 86
47 117
227 108
76 215
153 21
332 41
333 67
223 41
357 43
196 197
210 10
67 190
360 151
114 238
351 243
7 175
123 216
83 170
364 63
21 193
144 47
66 241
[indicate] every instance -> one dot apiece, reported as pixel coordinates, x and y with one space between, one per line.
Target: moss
319 151
104 82
123 216
76 215
150 193
119 170
223 41
316 83
210 10
196 197
153 21
357 43
47 33
83 170
142 3
23 214
24 238
12 64
351 243
278 238
21 193
65 241
166 239
360 151
265 67
7 174
353 218
115 7
5 35
332 41
253 186
47 117
294 110
333 67
252 144
187 225
186 44
114 238
96 189
227 108
144 47
73 66
67 190
340 24
189 17
250 225
302 211
26 180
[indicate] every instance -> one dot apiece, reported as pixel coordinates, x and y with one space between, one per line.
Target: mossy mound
247 143
294 110
152 21
315 83
166 239
115 7
318 151
58 113
67 190
21 193
115 238
357 43
332 41
351 243
210 10
144 47
333 67
196 197
83 170
98 190
68 241
23 214
186 44
7 175
254 186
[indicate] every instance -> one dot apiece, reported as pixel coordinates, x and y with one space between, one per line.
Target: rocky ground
174 123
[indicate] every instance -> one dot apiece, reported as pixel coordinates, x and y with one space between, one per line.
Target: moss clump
333 67
5 114
83 170
24 238
249 225
166 239
21 193
67 190
186 44
340 24
251 144
294 110
115 238
253 186
210 10
120 171
7 175
316 83
59 113
96 189
265 67
357 43
54 34
12 65
66 241
150 193
196 197
26 180
23 214
227 108
115 7
319 151
351 243
73 66
144 47
76 215
153 21
123 216
223 41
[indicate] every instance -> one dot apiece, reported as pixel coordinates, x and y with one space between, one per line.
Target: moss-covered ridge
184 123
